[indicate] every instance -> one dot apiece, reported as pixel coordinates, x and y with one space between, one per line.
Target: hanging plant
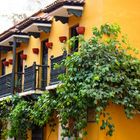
102 72
62 39
10 61
49 45
80 30
23 56
48 103
5 109
6 63
20 119
35 50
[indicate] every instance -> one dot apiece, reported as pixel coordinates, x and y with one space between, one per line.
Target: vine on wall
103 71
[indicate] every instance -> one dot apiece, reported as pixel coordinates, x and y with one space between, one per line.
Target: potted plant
49 45
10 61
80 30
6 63
23 56
35 50
62 39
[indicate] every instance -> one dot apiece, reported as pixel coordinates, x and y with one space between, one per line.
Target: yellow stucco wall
125 129
126 13
49 134
123 12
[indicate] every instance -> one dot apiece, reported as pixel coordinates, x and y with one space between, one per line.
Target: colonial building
29 50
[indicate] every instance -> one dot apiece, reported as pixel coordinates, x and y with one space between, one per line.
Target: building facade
29 50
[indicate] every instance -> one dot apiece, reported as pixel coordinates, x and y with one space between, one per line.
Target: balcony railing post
51 68
5 85
64 54
13 66
34 75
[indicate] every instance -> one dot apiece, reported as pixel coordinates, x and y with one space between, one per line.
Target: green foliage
24 115
19 118
101 72
5 108
44 109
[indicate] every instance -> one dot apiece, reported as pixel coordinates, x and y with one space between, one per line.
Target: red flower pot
23 56
80 30
6 63
10 61
49 45
35 50
62 39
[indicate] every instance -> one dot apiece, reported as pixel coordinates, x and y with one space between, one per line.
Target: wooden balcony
55 72
5 85
33 78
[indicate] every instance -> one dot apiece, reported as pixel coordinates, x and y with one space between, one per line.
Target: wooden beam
7 48
75 12
11 44
21 40
62 19
44 29
34 34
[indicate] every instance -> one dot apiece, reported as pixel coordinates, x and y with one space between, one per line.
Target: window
73 32
19 62
44 63
37 133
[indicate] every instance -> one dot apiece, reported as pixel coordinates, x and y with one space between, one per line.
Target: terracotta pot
6 63
80 30
35 50
10 61
49 45
62 39
23 56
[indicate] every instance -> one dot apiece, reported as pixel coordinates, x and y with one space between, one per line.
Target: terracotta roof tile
59 3
43 18
16 28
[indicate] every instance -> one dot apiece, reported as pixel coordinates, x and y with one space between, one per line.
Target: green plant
19 118
23 115
5 108
103 71
44 109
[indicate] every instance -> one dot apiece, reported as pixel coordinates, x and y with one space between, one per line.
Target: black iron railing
55 72
35 77
29 78
5 85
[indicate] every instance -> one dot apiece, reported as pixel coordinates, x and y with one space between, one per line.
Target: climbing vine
20 120
4 111
102 72
44 110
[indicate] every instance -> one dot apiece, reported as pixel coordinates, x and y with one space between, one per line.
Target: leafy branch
101 73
